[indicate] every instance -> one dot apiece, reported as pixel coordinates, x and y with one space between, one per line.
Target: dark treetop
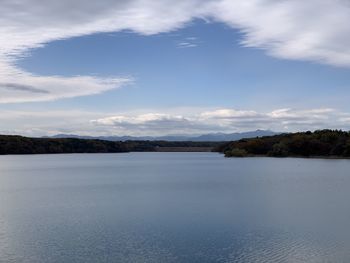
321 143
11 144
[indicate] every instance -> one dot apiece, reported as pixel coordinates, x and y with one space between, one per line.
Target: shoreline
189 151
292 156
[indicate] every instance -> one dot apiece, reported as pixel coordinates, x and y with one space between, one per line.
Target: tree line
322 143
13 144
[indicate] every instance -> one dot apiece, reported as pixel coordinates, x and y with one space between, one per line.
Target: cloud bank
174 121
313 30
225 120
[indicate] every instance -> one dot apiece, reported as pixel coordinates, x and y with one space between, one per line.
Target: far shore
292 156
191 150
184 149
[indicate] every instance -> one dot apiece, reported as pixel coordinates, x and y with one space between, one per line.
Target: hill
12 144
321 143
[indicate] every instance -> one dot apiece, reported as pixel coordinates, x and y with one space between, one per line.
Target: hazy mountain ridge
211 137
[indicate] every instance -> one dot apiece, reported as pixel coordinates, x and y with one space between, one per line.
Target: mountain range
211 137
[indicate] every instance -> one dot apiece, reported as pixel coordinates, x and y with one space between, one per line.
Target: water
173 207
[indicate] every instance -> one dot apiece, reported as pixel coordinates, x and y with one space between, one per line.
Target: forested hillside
322 143
24 145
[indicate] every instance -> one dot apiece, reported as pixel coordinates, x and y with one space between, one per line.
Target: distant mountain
214 137
211 137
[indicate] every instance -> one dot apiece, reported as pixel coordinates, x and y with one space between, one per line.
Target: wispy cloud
46 88
191 38
189 42
314 30
21 87
186 45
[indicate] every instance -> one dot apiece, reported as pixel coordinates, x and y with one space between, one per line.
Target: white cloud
290 114
228 114
186 45
225 120
25 87
314 30
189 42
171 121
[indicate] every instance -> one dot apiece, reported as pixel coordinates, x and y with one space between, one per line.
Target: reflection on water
173 207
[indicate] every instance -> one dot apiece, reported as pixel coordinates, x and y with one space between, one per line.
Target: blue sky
203 73
216 72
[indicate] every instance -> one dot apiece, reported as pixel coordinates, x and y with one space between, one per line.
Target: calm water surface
173 207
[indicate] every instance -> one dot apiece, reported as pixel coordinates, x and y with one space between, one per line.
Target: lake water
173 207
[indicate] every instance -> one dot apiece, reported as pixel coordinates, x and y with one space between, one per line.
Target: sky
147 67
